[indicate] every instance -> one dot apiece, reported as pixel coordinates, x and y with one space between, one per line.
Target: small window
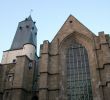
32 28
34 22
20 28
14 60
10 77
27 26
30 65
35 33
71 21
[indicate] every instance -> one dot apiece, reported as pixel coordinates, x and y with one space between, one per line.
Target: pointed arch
87 46
78 73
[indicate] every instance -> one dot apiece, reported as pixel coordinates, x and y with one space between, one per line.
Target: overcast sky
50 16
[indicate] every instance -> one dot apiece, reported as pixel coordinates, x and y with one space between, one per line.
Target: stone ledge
103 67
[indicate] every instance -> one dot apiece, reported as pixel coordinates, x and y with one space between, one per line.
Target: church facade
75 65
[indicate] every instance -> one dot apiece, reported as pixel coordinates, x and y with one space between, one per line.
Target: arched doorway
78 73
35 98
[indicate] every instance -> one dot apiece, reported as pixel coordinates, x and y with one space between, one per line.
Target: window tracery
78 73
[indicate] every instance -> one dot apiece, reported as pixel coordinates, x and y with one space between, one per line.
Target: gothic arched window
78 73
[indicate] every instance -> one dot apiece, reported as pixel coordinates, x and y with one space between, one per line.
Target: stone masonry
17 80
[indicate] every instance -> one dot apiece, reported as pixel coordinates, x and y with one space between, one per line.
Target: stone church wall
53 65
1 81
17 78
103 55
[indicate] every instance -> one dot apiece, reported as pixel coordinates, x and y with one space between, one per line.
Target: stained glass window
78 73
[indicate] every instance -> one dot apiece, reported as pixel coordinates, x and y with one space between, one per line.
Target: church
75 65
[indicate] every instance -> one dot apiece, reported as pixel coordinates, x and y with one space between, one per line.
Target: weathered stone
48 76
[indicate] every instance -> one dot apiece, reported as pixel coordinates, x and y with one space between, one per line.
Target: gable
71 27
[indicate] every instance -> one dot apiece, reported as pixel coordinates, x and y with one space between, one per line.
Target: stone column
43 81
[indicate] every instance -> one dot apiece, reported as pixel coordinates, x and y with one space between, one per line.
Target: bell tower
20 63
24 42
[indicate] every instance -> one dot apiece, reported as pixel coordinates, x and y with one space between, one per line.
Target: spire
29 18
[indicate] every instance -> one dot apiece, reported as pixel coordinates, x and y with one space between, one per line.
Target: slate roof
25 34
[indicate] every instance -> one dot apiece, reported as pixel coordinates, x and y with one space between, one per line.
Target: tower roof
25 34
29 18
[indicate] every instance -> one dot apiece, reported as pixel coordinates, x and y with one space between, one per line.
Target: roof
25 34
